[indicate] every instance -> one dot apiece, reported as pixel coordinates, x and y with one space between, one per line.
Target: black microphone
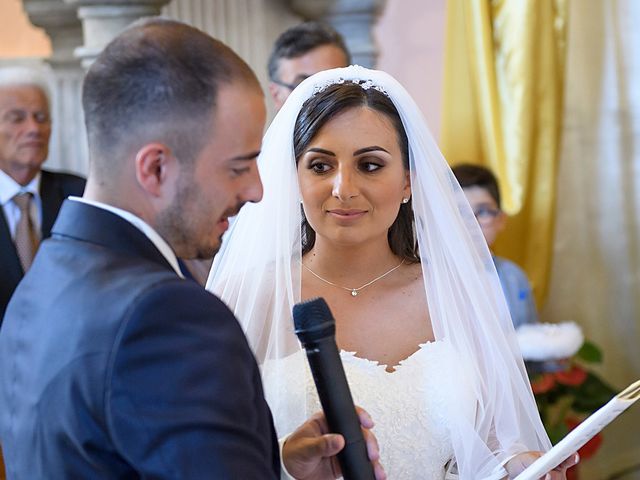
316 329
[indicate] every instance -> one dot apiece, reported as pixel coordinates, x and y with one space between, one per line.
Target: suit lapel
96 225
10 262
52 198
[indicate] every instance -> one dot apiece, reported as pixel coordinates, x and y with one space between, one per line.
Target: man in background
301 51
30 197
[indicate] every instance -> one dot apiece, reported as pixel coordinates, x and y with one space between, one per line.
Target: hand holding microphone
310 451
315 327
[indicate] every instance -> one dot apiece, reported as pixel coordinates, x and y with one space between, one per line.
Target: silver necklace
354 291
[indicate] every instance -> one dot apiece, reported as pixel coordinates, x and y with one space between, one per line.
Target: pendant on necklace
354 293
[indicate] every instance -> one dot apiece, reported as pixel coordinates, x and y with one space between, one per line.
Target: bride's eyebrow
373 148
321 150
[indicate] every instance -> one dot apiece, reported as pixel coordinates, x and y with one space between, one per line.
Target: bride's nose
344 184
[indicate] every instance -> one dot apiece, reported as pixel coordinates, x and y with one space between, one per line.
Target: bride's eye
319 167
370 166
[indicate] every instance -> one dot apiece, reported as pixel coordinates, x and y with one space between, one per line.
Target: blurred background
544 92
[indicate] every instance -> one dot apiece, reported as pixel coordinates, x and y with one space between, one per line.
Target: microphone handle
337 404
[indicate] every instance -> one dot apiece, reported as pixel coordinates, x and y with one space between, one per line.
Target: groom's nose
252 190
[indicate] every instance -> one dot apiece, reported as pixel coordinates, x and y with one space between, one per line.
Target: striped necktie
26 238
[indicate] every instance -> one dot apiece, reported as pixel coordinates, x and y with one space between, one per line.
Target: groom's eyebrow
248 156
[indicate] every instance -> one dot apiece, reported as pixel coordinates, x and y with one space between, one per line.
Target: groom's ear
155 168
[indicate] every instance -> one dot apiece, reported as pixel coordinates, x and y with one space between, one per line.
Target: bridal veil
258 271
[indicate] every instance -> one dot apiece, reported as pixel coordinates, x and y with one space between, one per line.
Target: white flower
549 341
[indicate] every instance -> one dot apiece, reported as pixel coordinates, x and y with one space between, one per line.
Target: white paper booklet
582 433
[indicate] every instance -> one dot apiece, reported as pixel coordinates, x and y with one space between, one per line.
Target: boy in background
481 189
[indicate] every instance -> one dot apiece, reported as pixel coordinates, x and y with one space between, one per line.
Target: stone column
102 20
249 27
67 147
354 19
62 25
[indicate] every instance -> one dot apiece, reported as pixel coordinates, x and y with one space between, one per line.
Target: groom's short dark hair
158 79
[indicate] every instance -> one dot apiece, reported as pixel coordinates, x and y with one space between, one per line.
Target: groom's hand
309 452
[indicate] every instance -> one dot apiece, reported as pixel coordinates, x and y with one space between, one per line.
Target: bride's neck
358 262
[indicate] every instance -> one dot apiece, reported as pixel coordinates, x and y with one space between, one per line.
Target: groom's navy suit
112 366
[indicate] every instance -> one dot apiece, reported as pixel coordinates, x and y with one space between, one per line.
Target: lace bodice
410 406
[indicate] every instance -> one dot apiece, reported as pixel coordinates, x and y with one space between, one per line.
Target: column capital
354 19
325 9
61 23
103 20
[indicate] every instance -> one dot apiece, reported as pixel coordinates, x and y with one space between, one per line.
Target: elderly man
30 196
300 52
113 365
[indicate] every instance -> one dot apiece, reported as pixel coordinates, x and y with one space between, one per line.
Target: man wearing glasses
301 51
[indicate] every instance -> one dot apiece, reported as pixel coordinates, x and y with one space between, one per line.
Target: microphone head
313 320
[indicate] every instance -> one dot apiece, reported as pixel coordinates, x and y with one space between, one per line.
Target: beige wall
410 35
18 38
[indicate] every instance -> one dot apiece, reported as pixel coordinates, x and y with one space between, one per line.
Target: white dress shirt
141 225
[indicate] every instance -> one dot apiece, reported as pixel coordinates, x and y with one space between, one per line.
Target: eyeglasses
290 86
486 214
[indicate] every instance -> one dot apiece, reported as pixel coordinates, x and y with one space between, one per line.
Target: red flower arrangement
568 395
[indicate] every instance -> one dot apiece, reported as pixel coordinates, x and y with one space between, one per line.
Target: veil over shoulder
258 273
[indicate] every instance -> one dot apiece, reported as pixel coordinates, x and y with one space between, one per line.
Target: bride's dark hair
326 105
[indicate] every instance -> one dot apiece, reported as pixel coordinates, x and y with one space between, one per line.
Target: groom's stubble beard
180 224
188 224
208 254
232 212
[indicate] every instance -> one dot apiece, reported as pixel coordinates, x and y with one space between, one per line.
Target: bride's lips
347 215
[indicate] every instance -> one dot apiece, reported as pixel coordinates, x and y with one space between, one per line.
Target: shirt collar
141 225
9 188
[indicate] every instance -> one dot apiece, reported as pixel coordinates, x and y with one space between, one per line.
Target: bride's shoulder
414 267
413 273
409 282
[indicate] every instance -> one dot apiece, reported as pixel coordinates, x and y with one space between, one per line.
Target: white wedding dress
410 406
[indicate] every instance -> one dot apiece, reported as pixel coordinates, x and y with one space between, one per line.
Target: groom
112 365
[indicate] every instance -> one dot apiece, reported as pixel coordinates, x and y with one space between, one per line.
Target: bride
361 208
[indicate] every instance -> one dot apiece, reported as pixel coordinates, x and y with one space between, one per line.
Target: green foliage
592 394
557 432
589 353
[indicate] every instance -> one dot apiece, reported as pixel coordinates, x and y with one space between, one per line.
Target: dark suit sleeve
183 397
